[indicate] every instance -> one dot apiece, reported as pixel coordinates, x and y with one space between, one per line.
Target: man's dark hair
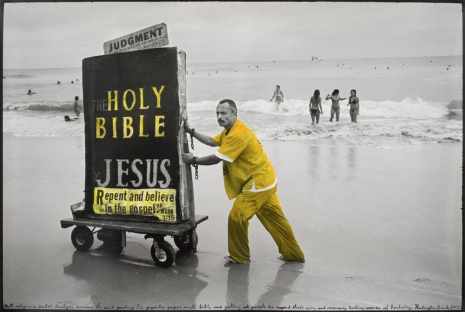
231 103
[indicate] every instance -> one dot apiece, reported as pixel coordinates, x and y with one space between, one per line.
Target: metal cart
113 234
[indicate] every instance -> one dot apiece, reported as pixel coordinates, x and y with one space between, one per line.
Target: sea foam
407 108
381 124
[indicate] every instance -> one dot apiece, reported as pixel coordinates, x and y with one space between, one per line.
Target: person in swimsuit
354 105
335 104
76 105
315 107
278 95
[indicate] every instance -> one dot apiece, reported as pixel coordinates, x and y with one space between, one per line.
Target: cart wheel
185 241
166 256
82 238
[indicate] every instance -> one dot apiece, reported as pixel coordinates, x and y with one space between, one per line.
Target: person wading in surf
278 95
315 107
354 105
335 109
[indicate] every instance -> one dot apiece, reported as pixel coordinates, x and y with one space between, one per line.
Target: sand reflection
119 280
286 275
314 162
237 295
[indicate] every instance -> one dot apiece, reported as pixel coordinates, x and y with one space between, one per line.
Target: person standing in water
354 105
315 107
278 95
335 109
76 105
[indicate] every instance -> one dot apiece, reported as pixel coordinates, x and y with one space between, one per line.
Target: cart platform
113 235
136 227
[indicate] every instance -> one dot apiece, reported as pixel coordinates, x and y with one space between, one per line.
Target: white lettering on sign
152 37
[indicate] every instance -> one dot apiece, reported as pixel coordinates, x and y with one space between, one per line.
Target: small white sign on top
152 37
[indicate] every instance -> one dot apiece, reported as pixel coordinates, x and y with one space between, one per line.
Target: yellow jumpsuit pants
268 210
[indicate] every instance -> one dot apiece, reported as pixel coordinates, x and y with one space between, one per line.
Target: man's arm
209 160
203 138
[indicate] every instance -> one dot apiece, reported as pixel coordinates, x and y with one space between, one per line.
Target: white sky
54 35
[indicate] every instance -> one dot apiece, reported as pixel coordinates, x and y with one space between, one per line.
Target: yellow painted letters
133 99
159 124
114 127
158 94
99 128
114 100
141 127
142 99
127 125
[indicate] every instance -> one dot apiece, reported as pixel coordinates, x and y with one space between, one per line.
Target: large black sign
132 132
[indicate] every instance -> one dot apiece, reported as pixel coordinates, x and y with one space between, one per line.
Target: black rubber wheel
166 256
82 238
185 242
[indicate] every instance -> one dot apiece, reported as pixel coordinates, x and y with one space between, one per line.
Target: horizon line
220 62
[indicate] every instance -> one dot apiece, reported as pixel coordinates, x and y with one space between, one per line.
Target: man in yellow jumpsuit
250 178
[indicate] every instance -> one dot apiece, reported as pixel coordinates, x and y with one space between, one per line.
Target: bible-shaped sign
134 105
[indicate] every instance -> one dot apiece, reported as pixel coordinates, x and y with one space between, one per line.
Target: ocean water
403 101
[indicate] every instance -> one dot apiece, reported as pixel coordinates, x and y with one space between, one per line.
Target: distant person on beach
76 105
315 107
278 95
250 178
354 105
335 109
30 92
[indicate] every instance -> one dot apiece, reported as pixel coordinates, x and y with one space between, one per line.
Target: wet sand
378 227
